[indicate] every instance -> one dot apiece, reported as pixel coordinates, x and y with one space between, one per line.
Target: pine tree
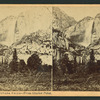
92 58
14 64
15 55
91 62
2 60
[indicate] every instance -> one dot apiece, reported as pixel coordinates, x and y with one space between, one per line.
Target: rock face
12 28
29 32
96 28
7 26
34 43
32 21
85 32
61 20
75 37
80 33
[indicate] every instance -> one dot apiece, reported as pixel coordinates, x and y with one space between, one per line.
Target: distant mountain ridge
36 28
28 32
12 28
77 38
61 20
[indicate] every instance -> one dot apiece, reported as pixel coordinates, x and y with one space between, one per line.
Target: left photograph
25 48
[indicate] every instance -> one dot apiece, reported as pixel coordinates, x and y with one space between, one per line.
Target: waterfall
9 35
88 34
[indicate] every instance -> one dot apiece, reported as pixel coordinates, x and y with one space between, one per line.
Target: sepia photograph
76 48
25 48
49 50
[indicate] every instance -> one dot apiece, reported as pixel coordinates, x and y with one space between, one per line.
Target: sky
79 12
6 11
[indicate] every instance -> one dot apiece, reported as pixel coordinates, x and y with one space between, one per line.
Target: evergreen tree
34 62
65 64
92 58
22 66
15 55
91 62
14 64
2 60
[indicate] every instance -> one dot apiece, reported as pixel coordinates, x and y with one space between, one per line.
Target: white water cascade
88 35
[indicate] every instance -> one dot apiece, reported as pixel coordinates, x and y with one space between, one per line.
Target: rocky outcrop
61 20
81 32
7 26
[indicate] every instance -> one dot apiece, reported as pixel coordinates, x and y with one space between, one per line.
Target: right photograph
76 48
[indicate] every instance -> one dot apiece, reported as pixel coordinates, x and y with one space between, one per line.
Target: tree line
33 63
70 67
